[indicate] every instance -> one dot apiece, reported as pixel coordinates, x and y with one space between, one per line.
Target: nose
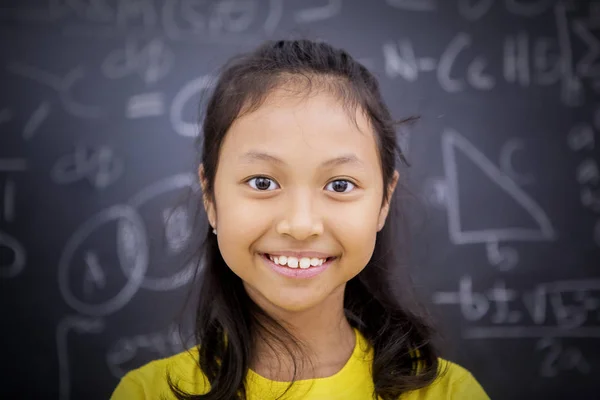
301 219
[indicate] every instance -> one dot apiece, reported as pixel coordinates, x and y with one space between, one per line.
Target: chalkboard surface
98 110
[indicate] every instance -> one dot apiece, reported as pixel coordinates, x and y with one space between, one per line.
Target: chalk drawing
69 261
572 93
9 200
36 119
559 358
177 231
332 9
414 5
192 88
145 105
152 61
62 86
77 324
100 166
453 142
19 256
506 161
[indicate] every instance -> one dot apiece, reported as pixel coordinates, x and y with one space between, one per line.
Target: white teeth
294 262
304 262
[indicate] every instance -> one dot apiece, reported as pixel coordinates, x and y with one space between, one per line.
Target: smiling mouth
297 263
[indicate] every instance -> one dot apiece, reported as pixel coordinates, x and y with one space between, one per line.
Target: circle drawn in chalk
124 233
18 264
135 275
192 88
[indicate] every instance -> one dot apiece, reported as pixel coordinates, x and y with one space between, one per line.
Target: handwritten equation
229 21
553 309
527 60
475 10
552 313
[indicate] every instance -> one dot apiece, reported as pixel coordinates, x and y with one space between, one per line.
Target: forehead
314 125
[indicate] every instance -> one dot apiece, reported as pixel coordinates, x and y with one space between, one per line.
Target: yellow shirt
352 382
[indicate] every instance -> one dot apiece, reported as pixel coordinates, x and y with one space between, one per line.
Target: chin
287 299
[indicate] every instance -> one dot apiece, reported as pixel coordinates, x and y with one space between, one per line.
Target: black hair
379 301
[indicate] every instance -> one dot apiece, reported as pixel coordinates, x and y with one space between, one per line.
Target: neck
329 338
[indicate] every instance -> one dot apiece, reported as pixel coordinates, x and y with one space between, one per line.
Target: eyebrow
252 156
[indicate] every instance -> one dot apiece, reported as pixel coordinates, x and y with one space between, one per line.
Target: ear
209 207
385 209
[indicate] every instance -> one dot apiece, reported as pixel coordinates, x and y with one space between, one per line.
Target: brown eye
261 183
341 185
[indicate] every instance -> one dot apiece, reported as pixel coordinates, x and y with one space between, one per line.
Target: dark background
98 104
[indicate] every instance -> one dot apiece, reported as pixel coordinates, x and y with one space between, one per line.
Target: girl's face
297 175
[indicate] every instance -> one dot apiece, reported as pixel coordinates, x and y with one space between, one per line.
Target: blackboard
98 114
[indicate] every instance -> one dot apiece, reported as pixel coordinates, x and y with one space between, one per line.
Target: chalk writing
581 137
11 267
587 172
435 191
526 60
330 10
62 86
157 344
223 21
99 166
69 260
589 65
94 276
571 88
152 61
506 162
177 231
65 326
17 265
590 198
414 5
189 91
177 228
145 105
36 120
561 308
9 200
559 358
474 10
404 63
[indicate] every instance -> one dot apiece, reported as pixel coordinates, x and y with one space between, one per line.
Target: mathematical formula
553 309
527 61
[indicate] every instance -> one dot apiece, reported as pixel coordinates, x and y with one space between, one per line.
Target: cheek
239 223
356 230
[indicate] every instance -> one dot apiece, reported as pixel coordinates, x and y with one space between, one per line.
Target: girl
299 294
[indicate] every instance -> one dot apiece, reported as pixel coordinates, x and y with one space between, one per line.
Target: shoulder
453 382
150 380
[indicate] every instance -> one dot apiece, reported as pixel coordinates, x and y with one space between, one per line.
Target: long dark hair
379 301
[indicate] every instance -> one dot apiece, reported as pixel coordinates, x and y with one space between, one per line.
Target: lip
297 273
